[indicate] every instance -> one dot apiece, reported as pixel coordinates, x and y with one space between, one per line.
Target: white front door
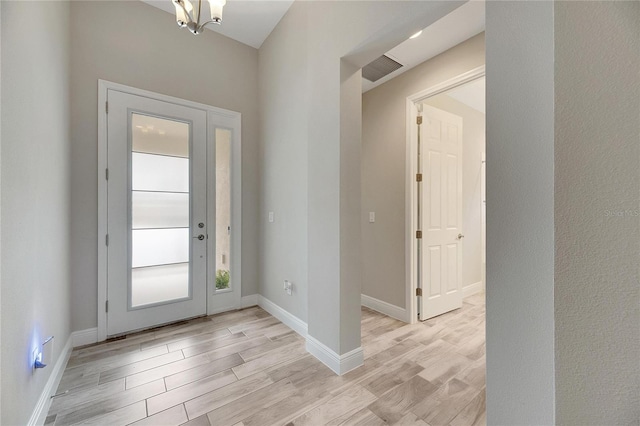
441 213
156 212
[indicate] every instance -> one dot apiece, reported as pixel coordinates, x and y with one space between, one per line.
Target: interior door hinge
419 177
419 120
106 306
106 107
418 292
106 240
106 174
418 234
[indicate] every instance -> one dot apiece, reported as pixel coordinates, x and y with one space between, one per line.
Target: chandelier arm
201 26
186 12
199 13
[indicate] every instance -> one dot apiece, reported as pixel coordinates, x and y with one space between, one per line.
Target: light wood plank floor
246 368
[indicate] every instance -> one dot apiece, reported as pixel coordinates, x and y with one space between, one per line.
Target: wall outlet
372 217
288 287
271 217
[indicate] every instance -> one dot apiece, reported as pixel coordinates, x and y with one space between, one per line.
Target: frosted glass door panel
159 246
152 172
223 209
155 135
159 284
159 210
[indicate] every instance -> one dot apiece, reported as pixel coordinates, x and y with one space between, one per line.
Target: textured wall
520 226
383 167
597 205
138 45
0 210
35 198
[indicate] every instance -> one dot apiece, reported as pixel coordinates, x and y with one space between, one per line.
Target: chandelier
187 16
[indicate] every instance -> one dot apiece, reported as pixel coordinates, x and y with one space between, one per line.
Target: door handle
460 236
200 237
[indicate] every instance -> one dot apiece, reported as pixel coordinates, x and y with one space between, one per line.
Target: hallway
245 367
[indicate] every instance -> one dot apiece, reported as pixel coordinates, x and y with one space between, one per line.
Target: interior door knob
460 236
200 237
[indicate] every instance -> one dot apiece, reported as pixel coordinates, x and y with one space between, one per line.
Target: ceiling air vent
377 69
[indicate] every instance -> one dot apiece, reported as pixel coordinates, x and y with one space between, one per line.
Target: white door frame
410 193
232 120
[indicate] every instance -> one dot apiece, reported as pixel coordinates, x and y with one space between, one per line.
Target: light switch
372 217
271 217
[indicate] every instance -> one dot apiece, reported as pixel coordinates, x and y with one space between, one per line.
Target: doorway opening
169 209
428 193
446 195
423 198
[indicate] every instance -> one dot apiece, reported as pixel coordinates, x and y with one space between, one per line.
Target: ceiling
251 21
247 21
471 94
458 26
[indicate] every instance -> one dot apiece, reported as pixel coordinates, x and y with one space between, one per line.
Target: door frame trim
236 190
410 201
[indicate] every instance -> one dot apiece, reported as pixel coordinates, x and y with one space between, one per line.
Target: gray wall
563 233
473 146
520 213
138 45
35 197
0 211
597 182
283 165
321 137
383 167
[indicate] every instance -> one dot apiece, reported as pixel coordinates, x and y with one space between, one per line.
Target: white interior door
156 212
441 213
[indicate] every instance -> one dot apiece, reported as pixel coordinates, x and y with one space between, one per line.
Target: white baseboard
472 289
250 300
41 409
84 337
388 309
340 364
288 319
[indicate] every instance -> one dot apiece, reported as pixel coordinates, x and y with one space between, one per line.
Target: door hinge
419 120
106 240
106 107
106 306
419 177
106 174
418 292
418 234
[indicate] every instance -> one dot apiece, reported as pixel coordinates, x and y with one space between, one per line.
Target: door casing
216 118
